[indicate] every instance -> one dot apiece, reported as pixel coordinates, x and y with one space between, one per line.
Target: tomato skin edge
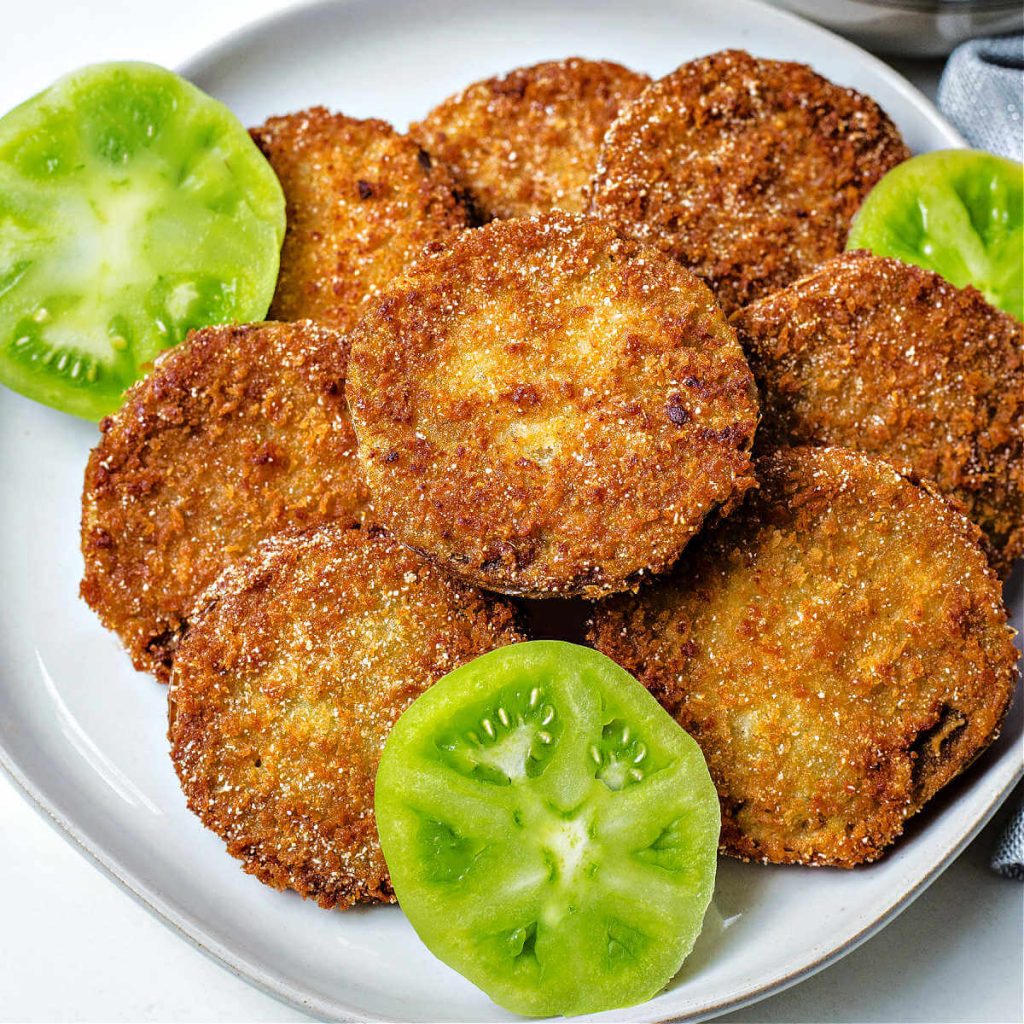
88 403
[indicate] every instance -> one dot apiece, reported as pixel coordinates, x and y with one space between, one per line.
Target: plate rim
184 926
207 55
278 987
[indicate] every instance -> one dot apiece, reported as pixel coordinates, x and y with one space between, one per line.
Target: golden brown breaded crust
545 408
362 200
285 689
885 357
839 649
237 433
527 142
747 171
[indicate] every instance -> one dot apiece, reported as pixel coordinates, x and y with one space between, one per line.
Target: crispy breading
747 171
361 201
890 359
237 433
285 689
838 647
546 408
527 142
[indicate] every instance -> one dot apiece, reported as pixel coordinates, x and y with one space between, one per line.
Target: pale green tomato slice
958 212
551 832
133 208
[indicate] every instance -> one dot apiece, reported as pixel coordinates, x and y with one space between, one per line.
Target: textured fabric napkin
1008 858
982 93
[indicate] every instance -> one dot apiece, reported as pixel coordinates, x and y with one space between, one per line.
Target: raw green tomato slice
958 212
551 832
133 207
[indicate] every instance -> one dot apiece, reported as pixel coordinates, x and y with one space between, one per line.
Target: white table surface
75 947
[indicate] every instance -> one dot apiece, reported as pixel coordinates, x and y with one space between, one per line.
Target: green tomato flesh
551 832
133 208
957 212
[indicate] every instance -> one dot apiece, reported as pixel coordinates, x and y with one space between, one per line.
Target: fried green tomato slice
362 200
236 434
551 833
527 142
284 689
545 408
959 212
878 355
747 171
838 648
133 208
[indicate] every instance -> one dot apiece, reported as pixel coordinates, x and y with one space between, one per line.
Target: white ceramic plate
85 736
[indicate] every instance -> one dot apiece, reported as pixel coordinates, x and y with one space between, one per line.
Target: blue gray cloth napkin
982 93
1008 858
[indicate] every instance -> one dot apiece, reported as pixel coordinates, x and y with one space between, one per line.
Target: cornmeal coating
747 171
891 359
287 685
838 648
545 408
527 142
237 433
361 201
